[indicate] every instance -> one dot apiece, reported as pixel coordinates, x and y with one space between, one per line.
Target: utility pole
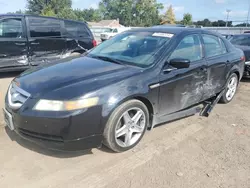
248 15
228 11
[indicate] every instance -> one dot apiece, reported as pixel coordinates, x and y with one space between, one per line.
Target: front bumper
59 131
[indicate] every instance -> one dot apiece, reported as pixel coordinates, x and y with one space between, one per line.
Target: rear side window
243 40
44 27
11 28
76 29
213 46
189 48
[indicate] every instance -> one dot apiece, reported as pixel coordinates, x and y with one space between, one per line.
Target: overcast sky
200 9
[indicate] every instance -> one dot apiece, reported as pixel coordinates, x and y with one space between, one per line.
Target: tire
121 123
225 98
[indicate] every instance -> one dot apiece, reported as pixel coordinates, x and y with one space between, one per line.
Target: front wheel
126 126
231 89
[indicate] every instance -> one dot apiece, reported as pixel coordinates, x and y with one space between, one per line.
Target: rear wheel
231 89
126 126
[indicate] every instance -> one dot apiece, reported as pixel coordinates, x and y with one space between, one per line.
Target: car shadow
9 74
44 151
245 80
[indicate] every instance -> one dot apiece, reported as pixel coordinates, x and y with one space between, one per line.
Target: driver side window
11 28
188 48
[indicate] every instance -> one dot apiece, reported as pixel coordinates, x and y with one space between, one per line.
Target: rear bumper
247 70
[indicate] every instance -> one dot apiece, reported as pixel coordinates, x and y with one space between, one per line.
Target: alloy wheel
130 127
231 88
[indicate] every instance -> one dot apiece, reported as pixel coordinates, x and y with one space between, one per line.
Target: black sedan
121 88
243 42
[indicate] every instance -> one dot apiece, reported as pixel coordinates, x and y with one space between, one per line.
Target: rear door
13 42
45 39
217 58
78 36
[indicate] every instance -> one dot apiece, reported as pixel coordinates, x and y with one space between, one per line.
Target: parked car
227 36
115 92
27 40
111 32
243 42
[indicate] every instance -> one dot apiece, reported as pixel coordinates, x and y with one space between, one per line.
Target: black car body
110 82
27 40
243 42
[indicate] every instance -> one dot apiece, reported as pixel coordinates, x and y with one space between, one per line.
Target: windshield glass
134 48
243 40
108 30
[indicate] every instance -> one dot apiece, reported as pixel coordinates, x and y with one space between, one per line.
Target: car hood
85 70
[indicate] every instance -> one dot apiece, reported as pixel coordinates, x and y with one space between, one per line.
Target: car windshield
132 48
108 30
243 40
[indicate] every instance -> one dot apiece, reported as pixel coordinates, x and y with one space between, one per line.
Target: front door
182 88
45 40
13 43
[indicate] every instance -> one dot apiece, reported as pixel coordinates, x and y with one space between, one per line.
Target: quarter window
213 46
11 28
189 48
76 29
223 46
42 27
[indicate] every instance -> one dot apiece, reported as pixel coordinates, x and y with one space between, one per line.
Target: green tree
131 12
169 17
38 6
187 19
67 13
88 14
47 11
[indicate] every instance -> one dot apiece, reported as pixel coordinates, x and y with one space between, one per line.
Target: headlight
53 105
247 62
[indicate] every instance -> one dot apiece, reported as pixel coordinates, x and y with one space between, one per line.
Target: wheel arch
140 98
235 70
149 106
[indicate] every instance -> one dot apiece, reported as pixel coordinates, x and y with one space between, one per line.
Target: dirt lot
193 152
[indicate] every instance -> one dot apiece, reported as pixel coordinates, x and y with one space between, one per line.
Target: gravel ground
194 152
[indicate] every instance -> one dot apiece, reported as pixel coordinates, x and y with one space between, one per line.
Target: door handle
3 55
35 43
20 44
169 69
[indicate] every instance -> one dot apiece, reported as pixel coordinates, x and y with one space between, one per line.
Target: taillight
94 43
243 58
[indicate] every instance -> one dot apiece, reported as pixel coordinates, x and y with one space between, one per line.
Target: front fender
114 95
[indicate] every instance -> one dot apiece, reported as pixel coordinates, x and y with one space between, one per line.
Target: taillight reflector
243 58
94 43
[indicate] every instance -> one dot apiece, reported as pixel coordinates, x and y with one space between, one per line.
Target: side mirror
179 63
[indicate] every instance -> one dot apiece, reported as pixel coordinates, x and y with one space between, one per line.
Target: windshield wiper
105 58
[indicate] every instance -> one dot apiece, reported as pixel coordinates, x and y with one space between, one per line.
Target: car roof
23 15
243 34
172 30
